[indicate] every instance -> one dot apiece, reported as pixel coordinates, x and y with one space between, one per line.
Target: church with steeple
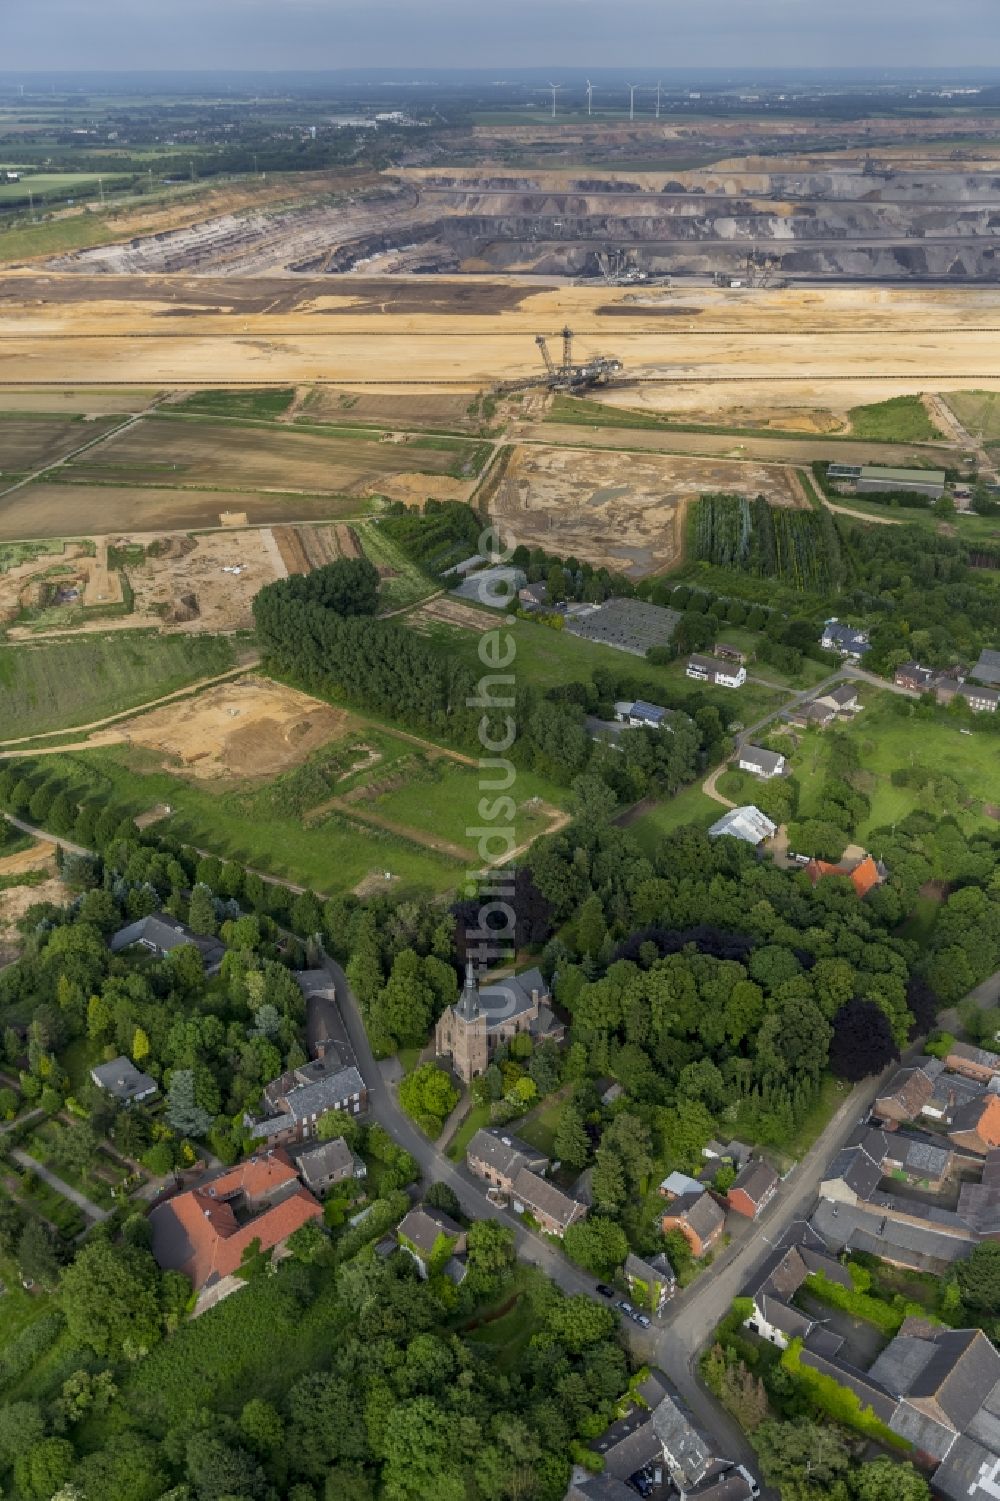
484 1016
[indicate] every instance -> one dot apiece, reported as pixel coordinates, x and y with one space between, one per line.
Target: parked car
625 1306
605 1291
643 1319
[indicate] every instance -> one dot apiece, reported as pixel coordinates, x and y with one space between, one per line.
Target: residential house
716 670
698 1217
922 1246
294 1103
678 1183
947 688
974 1063
980 700
630 1448
773 1316
842 700
864 874
976 1125
123 1081
921 1159
979 1203
812 713
534 596
753 1189
515 1170
651 1281
160 934
941 1379
728 653
987 669
206 1232
908 1091
640 714
852 1177
763 763
846 639
321 1167
431 1237
747 823
950 1091
911 675
470 1031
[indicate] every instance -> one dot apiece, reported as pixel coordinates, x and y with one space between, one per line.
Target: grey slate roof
857 1227
600 1488
122 1079
422 1226
687 1455
312 1099
504 1153
856 1170
981 1057
331 1159
757 1180
538 1193
701 1212
784 1317
767 760
968 1473
963 1367
163 933
653 1271
987 669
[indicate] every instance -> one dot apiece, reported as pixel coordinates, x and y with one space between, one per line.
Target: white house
763 763
714 670
642 714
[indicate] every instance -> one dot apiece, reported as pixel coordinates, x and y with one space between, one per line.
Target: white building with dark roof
747 823
121 1079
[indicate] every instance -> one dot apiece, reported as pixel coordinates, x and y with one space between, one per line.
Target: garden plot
623 511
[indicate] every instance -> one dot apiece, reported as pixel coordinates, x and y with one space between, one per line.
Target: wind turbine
631 99
590 97
555 87
659 86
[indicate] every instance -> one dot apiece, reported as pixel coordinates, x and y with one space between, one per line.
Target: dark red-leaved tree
862 1041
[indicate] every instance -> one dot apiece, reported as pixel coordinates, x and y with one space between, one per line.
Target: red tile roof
863 876
198 1233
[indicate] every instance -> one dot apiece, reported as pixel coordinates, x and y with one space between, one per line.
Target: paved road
694 1313
92 1211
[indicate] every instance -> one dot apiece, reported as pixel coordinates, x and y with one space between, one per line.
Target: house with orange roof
864 876
976 1124
206 1231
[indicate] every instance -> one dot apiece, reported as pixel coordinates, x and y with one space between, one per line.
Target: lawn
505 1328
540 1127
548 658
901 419
689 806
442 797
832 1094
891 740
59 684
477 1118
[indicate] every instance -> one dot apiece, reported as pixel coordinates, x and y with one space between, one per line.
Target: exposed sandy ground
414 489
805 340
622 511
452 612
184 586
15 901
248 729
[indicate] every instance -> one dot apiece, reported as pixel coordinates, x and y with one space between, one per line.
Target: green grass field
901 419
887 742
57 185
403 582
548 658
977 411
442 797
266 405
690 806
54 685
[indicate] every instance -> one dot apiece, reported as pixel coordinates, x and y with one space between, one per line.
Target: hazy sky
318 34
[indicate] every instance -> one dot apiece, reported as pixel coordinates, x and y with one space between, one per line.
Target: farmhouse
842 700
333 1162
534 596
121 1079
973 1063
715 670
812 712
976 1125
698 1217
160 934
763 763
908 1091
753 1189
864 874
300 1097
979 700
431 1237
651 1281
205 1232
514 1169
641 714
777 1282
911 675
987 669
747 823
848 640
470 1031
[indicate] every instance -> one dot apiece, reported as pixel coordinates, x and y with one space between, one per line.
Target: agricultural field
432 411
57 185
547 658
622 511
901 419
85 510
57 685
30 440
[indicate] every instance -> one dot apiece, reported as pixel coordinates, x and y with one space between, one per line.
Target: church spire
467 1008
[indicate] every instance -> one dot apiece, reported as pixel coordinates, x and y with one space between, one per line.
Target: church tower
461 1031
